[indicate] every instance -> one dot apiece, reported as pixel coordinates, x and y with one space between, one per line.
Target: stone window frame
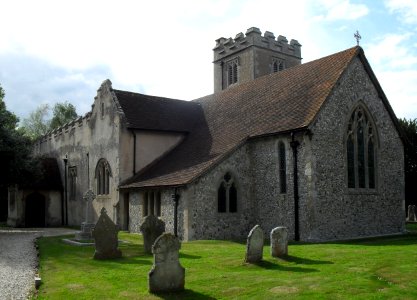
360 113
277 65
151 203
232 71
72 182
282 166
102 175
102 110
230 195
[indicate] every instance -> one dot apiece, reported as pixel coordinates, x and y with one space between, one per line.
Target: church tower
251 55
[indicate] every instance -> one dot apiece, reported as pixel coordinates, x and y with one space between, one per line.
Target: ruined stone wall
331 210
85 141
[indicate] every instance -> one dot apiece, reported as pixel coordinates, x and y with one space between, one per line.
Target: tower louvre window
232 72
277 65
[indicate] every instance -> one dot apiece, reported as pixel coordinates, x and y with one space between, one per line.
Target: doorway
35 210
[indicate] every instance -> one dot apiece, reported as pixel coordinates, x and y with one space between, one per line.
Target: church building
315 147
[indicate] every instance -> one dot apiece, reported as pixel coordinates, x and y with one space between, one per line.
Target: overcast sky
55 51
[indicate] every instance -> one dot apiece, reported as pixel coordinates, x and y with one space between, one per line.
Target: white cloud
393 51
333 10
407 10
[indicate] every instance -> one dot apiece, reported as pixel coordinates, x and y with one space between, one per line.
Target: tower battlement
253 37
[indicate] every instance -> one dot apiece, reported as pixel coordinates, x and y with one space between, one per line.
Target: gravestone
105 237
279 241
166 275
412 213
151 228
255 245
87 226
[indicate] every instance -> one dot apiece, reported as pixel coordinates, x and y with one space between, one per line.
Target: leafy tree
409 128
62 113
15 148
38 124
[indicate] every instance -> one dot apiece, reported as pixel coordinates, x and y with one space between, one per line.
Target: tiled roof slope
283 101
156 113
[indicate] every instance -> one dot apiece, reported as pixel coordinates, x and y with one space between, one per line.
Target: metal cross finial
357 36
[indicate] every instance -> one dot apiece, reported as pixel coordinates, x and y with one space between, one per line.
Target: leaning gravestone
105 237
151 229
166 275
87 226
279 241
411 213
255 245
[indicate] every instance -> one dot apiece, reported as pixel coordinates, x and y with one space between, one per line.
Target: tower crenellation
251 55
254 37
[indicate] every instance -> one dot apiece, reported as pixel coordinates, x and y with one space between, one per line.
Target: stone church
314 147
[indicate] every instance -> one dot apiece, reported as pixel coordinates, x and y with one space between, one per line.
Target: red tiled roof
279 102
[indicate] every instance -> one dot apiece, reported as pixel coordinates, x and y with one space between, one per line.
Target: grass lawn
381 268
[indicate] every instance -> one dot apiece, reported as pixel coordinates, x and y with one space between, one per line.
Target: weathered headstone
412 213
105 237
166 275
87 226
279 241
255 245
151 228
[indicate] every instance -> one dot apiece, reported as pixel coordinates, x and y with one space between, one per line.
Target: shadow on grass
395 240
186 294
189 256
275 266
305 261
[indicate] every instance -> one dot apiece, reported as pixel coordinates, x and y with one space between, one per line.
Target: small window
102 109
151 203
277 65
232 70
103 174
72 182
227 195
282 168
360 151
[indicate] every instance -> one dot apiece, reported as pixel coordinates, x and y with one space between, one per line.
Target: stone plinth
167 275
86 232
255 245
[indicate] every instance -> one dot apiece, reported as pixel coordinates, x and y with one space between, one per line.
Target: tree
38 124
15 148
409 128
62 114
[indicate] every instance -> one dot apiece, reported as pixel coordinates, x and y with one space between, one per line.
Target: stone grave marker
255 245
279 241
88 225
166 275
105 237
411 213
151 228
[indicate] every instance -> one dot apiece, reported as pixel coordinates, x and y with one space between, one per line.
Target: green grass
381 268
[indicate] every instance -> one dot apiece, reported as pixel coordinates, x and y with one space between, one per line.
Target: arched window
282 168
232 72
227 195
361 150
277 65
103 173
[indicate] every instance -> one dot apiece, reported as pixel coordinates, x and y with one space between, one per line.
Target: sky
55 51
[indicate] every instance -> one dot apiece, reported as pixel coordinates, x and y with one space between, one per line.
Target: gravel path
18 260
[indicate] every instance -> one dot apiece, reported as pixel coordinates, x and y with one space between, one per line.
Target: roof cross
357 36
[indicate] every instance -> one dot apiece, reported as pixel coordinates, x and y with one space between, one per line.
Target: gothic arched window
277 65
282 168
361 150
227 195
232 72
103 174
